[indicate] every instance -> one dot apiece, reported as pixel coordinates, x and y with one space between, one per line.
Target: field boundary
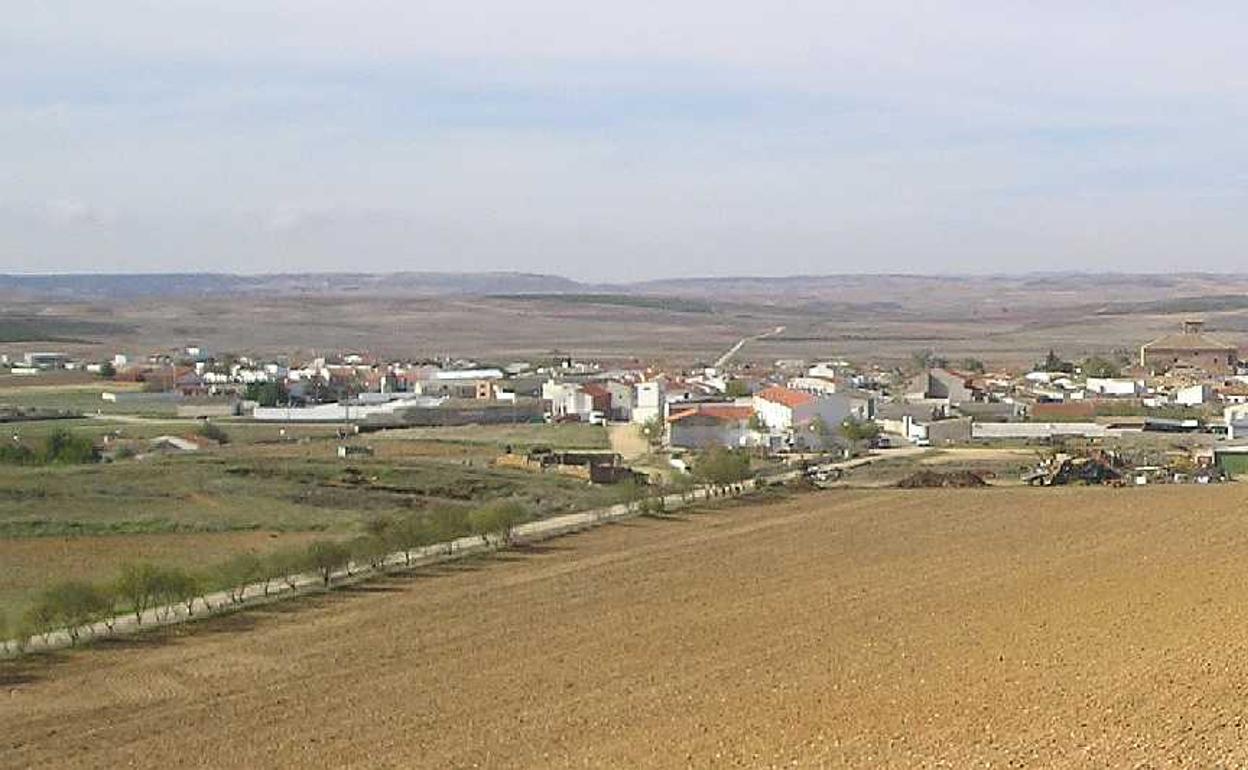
269 591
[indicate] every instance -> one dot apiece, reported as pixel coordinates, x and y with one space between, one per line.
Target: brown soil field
869 628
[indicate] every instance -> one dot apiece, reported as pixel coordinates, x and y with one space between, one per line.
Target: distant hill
119 286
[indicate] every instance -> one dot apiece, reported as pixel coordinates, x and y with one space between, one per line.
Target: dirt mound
935 479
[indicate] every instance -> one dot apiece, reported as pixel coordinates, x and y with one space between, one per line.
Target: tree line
81 607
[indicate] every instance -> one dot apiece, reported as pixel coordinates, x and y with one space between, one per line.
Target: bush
60 448
213 432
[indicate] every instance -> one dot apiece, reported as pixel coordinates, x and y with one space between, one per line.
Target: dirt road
1038 628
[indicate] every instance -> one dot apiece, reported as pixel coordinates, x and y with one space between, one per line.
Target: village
1102 417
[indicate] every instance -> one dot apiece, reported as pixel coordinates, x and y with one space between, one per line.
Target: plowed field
959 628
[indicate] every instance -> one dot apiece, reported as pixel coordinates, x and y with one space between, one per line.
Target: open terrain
1011 627
1002 319
270 485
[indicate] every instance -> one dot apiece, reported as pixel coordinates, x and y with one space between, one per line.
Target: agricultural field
1065 627
269 485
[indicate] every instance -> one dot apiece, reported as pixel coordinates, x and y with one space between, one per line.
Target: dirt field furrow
930 628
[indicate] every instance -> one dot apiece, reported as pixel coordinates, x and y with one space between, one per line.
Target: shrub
65 448
213 432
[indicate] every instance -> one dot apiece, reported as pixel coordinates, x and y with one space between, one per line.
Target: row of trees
80 607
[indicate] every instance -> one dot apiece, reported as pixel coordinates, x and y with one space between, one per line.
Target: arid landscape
958 628
1006 320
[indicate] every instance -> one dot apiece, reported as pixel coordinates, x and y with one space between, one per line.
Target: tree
757 424
652 430
266 393
719 466
327 556
822 431
449 524
240 571
175 585
137 586
973 365
859 430
1054 363
107 370
408 533
288 564
74 605
372 549
737 389
1097 366
40 619
4 632
498 518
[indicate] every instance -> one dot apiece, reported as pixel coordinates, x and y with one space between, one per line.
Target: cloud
623 140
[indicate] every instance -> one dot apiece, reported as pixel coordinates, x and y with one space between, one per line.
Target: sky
623 141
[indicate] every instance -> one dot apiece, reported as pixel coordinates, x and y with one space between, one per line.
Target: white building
1194 395
648 403
1115 386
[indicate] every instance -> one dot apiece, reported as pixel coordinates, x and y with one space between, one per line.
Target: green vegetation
1097 366
60 447
266 393
26 328
858 430
213 432
1054 363
737 389
972 365
498 518
718 466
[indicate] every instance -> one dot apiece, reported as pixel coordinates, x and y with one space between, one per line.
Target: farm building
1191 349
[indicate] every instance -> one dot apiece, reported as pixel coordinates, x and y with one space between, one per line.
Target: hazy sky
623 140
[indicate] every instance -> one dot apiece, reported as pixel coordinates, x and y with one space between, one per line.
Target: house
1192 349
46 360
567 399
1236 418
1114 386
940 384
1194 395
648 403
709 425
794 412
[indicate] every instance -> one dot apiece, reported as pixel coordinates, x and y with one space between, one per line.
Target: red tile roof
787 396
724 412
